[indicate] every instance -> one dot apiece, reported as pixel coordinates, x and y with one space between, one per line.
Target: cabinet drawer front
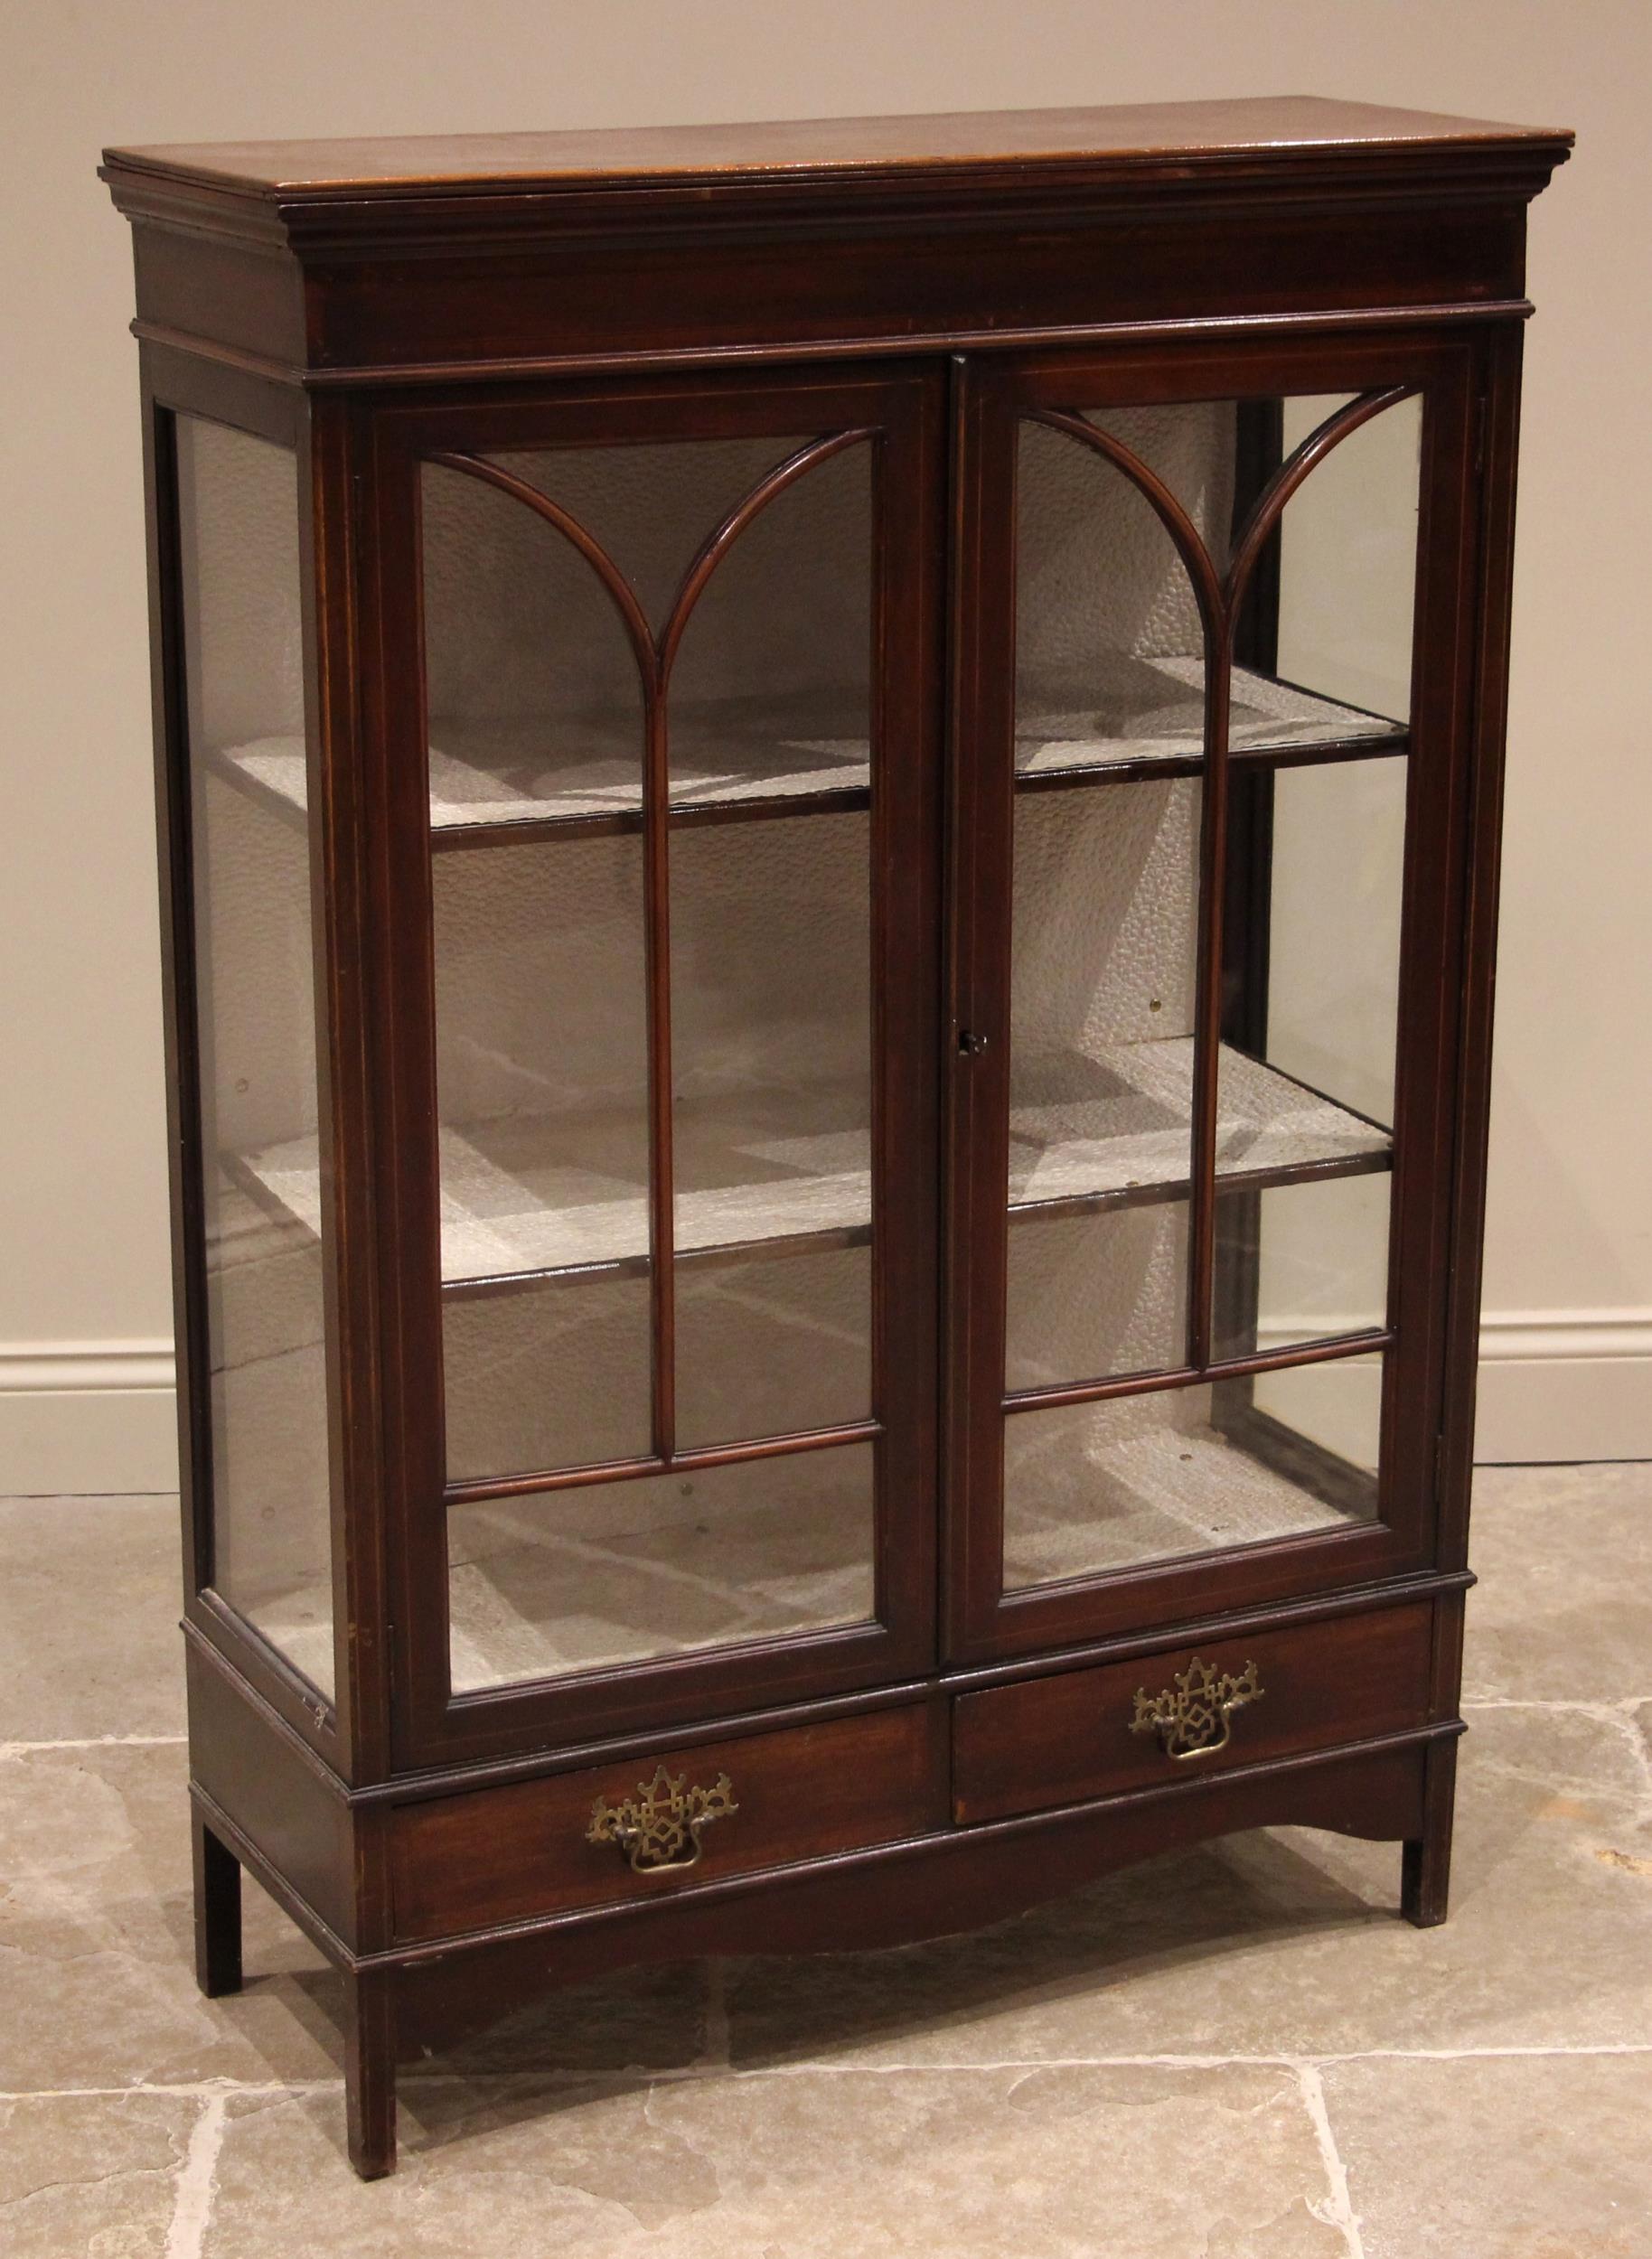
631 1831
1187 1712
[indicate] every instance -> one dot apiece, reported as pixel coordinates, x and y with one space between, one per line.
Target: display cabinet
828 800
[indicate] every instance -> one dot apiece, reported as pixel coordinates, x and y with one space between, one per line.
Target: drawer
1186 1712
526 1848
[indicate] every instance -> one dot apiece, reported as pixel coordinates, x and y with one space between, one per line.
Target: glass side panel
617 1573
237 524
1095 1488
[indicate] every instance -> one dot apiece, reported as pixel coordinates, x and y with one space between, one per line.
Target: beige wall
83 1296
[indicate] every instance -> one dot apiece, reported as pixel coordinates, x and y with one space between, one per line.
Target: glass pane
1091 1488
771 1054
553 1373
772 1346
238 520
1093 1296
1299 1263
770 967
1102 992
771 687
542 1084
532 688
619 1573
1109 664
1335 894
1348 559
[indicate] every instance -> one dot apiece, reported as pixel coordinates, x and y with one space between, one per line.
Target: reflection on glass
771 688
1299 1263
542 1084
1102 982
772 1082
1095 1296
1335 898
238 523
553 1372
533 687
620 1572
1109 664
772 1346
1093 1488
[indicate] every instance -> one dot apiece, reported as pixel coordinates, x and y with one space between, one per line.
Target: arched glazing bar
655 655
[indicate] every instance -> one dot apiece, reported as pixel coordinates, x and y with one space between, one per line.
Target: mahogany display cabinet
829 800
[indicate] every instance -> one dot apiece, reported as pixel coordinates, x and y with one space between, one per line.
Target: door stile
981 830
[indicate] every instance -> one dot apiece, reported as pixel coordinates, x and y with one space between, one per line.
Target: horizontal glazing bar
679 1462
690 815
1191 1376
1248 757
1227 1180
775 1249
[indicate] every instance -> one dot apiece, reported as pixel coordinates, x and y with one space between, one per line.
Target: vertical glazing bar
1207 1016
657 931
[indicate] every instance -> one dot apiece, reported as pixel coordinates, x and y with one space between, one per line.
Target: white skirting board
81 1419
1564 1385
89 1417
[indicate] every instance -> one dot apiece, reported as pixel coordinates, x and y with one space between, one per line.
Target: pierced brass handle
658 1828
1194 1717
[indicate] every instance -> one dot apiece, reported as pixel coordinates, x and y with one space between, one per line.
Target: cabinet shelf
1146 717
1109 1129
534 1198
495 787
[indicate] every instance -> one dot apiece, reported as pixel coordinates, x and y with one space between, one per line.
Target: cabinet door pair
914 921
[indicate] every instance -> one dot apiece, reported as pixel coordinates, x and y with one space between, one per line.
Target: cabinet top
1134 144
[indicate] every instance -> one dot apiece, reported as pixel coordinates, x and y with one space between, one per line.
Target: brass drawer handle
1194 1717
658 1828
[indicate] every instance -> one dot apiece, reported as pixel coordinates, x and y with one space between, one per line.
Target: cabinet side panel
252 1768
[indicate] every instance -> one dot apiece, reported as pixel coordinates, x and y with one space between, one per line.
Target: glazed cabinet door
1208 850
660 726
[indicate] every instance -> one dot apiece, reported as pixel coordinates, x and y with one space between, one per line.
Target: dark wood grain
902 1893
916 286
218 1911
1061 1740
507 1854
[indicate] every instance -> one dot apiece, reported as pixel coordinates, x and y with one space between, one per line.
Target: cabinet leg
369 2073
1425 1874
218 1913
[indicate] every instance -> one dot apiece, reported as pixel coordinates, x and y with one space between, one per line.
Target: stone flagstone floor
1238 2052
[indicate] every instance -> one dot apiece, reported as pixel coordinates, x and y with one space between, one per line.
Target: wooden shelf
1136 717
775 1172
494 786
759 1172
1111 1130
